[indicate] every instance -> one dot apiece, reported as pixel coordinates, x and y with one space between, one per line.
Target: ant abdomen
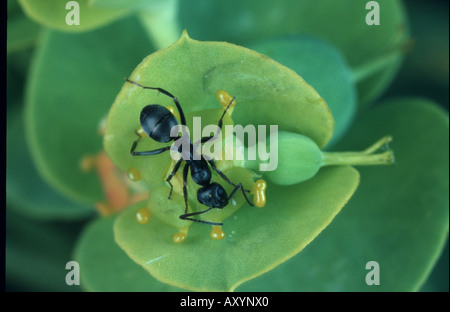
156 120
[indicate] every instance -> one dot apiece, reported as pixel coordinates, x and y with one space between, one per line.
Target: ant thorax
226 149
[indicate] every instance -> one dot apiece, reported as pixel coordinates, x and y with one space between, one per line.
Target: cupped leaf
73 81
106 267
323 67
169 211
25 189
193 71
257 239
238 174
373 51
55 13
398 217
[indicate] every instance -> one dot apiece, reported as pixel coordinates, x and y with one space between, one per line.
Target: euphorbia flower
301 200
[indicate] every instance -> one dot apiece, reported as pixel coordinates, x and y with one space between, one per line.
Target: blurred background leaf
37 253
22 32
106 267
425 72
28 193
438 280
52 14
135 4
73 83
373 52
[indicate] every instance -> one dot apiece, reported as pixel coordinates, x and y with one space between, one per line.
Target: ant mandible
157 122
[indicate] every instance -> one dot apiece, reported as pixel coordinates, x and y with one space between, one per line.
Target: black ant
157 122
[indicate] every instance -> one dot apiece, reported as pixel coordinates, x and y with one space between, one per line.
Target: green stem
161 23
363 158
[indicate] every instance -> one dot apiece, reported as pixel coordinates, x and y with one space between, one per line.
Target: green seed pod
299 159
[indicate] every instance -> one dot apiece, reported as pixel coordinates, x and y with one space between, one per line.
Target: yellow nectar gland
224 99
180 236
259 198
143 215
173 110
140 132
216 232
134 174
88 162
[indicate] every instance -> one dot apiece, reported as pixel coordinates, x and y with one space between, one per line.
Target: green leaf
25 190
373 52
323 67
53 14
22 32
438 280
425 71
194 71
256 241
73 82
135 4
36 253
105 266
158 17
399 216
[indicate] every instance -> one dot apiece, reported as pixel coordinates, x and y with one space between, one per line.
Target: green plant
325 90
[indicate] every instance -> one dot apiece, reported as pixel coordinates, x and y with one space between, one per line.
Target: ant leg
185 193
219 125
239 186
225 111
180 111
186 215
174 171
147 153
211 162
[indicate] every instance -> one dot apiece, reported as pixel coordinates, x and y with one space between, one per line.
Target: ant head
213 195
